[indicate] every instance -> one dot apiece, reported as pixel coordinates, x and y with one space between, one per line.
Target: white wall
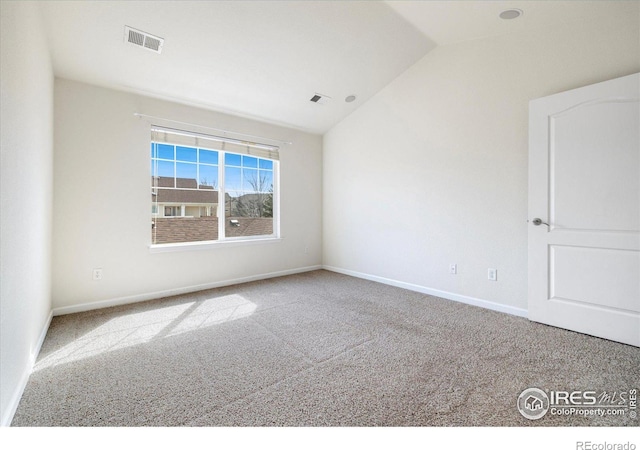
433 169
26 164
102 205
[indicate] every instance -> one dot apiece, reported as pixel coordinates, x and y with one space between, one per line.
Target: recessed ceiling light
510 14
350 98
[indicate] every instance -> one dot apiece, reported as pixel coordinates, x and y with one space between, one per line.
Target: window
210 188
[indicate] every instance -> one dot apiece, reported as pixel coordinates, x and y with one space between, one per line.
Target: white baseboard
43 335
435 292
7 417
184 290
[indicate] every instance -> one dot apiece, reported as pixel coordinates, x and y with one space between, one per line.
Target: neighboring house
196 206
184 199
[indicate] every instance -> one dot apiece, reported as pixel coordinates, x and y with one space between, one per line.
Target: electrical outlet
492 274
453 269
97 274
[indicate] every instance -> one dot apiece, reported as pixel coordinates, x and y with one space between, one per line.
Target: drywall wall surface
26 137
432 171
102 207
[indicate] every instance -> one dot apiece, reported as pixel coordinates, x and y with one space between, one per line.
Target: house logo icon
533 403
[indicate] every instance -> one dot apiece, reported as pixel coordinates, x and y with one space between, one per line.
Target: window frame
222 240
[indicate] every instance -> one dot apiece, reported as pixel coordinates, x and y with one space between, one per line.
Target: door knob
537 222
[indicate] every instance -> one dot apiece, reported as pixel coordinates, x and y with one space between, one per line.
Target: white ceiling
266 59
447 22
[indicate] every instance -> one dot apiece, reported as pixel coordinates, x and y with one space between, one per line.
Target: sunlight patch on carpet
139 328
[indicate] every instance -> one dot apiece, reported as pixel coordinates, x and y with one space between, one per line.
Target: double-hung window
211 188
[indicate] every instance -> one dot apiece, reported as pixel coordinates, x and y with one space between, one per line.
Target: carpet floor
314 349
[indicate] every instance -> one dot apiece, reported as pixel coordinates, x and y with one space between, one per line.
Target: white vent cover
142 39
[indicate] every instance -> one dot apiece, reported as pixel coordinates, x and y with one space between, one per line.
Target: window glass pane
231 159
249 161
184 215
165 151
266 181
208 176
186 175
164 169
186 154
266 164
208 156
233 179
250 181
154 150
248 214
231 204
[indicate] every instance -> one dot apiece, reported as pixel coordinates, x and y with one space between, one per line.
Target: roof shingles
195 229
187 191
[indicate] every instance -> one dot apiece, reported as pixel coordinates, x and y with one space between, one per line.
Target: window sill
209 245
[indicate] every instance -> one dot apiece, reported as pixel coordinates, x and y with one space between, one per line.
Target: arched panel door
584 210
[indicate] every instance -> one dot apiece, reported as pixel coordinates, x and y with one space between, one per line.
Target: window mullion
275 200
175 168
221 197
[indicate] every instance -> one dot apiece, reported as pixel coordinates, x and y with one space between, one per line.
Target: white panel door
584 191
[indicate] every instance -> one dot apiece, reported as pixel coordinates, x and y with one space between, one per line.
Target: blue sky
189 162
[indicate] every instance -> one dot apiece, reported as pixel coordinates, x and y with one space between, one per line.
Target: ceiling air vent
320 99
142 39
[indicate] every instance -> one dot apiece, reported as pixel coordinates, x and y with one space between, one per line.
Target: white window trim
210 245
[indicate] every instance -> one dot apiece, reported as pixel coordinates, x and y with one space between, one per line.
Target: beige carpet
316 349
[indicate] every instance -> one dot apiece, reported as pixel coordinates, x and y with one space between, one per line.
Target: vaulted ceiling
266 59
